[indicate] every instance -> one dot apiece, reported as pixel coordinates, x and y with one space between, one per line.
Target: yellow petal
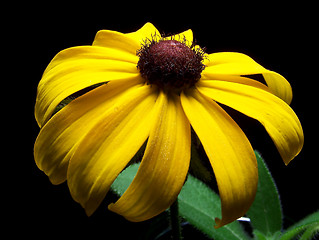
218 58
233 78
59 138
109 146
275 115
187 35
76 68
146 32
229 151
164 166
278 85
91 52
117 40
232 63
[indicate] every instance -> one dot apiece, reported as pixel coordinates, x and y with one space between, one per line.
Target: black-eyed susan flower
154 89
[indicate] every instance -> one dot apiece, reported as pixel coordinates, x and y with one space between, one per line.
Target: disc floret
170 63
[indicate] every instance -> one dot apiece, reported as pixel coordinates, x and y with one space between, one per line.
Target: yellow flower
153 90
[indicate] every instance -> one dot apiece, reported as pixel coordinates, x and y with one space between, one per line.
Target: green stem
175 222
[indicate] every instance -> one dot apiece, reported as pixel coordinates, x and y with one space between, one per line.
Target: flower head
170 64
153 89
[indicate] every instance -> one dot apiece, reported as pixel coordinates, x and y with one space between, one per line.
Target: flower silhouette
153 89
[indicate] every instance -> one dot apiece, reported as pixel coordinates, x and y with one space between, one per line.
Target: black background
280 38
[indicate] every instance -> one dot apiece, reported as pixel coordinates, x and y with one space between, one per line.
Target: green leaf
123 181
199 205
265 213
311 231
260 236
314 217
309 226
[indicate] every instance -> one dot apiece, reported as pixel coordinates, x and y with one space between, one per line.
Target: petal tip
218 223
89 211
